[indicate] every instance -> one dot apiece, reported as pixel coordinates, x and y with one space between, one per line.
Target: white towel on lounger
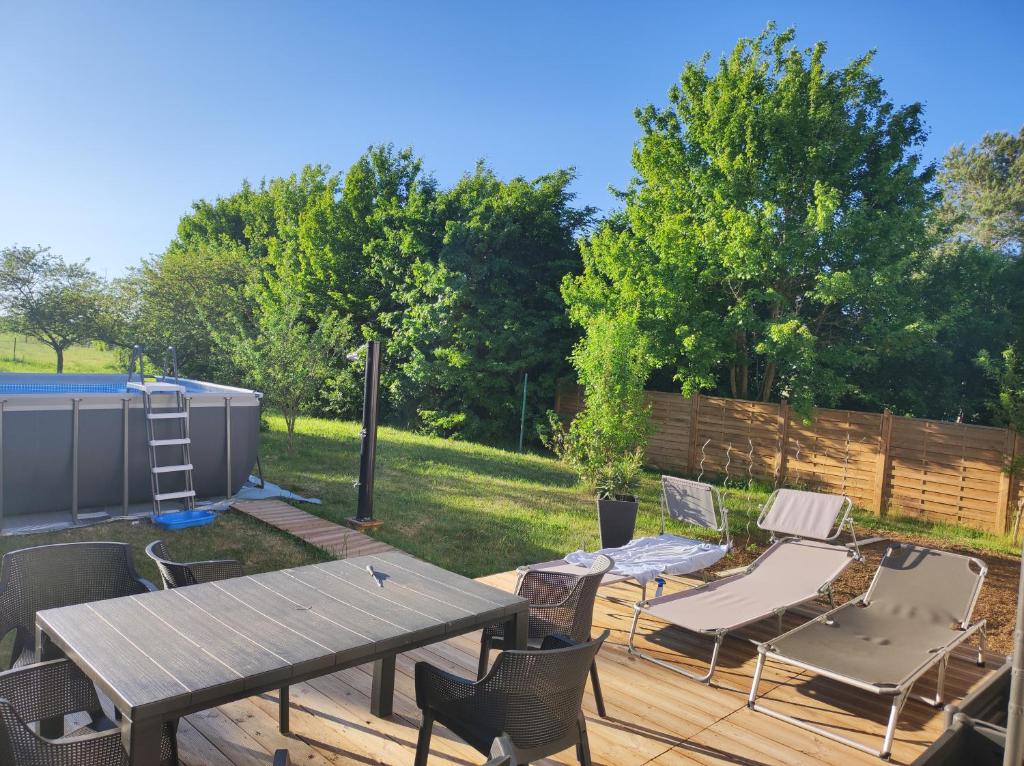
645 558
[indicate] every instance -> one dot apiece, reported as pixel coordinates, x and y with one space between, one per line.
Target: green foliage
770 235
984 191
1007 373
552 434
607 439
43 296
283 356
480 307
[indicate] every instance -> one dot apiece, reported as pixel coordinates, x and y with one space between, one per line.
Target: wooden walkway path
656 717
341 542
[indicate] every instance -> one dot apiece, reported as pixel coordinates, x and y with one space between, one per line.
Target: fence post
783 454
691 455
1005 481
882 464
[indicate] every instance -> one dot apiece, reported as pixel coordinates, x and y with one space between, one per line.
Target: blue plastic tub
184 519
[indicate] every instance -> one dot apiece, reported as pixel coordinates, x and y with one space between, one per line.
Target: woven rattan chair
175 574
51 576
51 690
561 604
527 707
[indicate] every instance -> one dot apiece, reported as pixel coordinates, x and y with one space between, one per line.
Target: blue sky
115 116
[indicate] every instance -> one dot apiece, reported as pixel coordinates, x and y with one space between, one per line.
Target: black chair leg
583 746
283 710
423 741
485 653
598 696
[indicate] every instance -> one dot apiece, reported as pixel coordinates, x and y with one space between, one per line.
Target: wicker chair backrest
50 576
563 603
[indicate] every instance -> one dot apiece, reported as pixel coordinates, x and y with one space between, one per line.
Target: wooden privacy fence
941 471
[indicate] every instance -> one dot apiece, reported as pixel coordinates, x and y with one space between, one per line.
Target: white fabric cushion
645 558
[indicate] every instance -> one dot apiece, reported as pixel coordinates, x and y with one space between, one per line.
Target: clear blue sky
115 116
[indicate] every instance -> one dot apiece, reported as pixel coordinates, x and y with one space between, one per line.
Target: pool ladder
176 418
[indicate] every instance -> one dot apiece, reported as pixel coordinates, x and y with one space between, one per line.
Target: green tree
606 440
768 243
56 302
984 191
282 354
480 305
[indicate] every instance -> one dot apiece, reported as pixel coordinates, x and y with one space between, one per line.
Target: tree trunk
60 358
769 381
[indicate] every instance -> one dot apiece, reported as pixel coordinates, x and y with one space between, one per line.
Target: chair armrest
147 584
436 687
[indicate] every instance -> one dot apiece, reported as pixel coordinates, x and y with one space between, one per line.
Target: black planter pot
617 519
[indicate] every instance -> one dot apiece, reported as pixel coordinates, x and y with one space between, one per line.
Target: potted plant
606 440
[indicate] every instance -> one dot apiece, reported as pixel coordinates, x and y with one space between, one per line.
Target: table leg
283 709
516 630
51 728
142 741
382 695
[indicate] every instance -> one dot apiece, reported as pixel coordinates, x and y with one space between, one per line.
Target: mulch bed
997 603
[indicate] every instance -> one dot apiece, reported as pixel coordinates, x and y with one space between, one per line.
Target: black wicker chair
51 690
527 707
176 574
50 576
561 604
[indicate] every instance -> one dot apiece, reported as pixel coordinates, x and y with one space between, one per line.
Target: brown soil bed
997 603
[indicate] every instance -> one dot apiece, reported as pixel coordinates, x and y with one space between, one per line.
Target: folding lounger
915 612
645 558
793 571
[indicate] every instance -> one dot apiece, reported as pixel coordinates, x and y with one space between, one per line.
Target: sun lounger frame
844 520
900 692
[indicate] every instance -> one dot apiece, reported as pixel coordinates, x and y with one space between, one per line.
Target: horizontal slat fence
940 471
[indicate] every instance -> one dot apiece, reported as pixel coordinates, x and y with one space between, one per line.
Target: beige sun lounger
796 569
916 611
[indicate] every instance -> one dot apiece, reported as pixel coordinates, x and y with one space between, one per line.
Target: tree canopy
772 230
56 302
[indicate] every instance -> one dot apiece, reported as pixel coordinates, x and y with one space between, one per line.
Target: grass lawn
478 510
33 356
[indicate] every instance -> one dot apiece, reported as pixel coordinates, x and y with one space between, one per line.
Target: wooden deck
655 716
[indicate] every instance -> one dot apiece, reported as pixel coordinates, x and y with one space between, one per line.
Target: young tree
283 355
769 239
56 302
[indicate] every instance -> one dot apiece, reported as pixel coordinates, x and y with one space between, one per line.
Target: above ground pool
74 444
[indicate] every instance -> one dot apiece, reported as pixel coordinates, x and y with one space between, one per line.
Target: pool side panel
36 454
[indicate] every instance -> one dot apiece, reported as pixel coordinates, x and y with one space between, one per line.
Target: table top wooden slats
170 651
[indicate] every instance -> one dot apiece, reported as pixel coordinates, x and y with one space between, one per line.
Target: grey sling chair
916 611
688 502
799 567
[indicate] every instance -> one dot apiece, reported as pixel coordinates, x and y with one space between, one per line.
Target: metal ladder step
172 468
175 495
166 415
168 442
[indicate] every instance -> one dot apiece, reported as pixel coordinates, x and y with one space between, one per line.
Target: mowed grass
477 510
34 356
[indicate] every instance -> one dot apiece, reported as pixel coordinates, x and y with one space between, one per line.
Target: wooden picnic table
163 655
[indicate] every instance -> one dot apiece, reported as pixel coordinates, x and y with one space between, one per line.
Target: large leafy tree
480 306
43 296
768 243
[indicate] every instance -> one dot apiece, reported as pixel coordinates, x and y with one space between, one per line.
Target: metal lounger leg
704 679
757 679
890 730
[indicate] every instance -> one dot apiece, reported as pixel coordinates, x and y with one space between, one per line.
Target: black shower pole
368 438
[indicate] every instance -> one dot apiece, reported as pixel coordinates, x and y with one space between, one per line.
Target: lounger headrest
691 502
803 514
927 581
